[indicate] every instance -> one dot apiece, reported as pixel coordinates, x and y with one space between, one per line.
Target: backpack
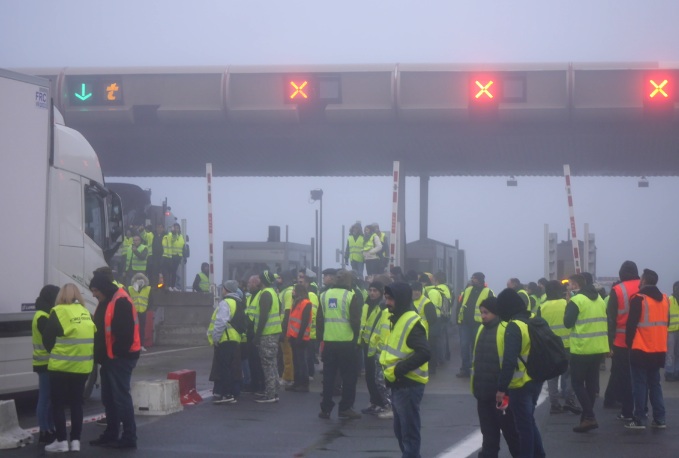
547 358
239 320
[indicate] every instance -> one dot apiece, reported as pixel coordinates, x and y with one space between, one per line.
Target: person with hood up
43 306
586 317
514 380
619 389
646 337
488 348
116 349
405 359
225 339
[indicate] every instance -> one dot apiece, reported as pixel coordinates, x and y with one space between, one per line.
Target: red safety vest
651 335
623 292
295 320
108 318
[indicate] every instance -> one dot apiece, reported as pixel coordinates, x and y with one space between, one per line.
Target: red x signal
298 90
484 89
658 89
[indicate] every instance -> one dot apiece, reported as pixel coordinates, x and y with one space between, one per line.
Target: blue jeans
405 403
647 381
671 363
522 401
357 267
44 408
467 337
115 394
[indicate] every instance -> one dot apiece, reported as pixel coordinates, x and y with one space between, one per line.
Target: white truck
59 220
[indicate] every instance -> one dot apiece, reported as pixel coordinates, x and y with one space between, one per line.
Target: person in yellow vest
173 250
225 339
372 249
146 234
69 339
140 291
298 334
137 255
265 307
552 311
469 319
486 364
338 327
378 338
646 337
585 316
43 306
672 360
116 349
353 253
201 284
372 311
534 294
405 358
514 379
285 296
430 315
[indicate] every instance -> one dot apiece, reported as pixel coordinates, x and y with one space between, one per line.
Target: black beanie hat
377 285
103 284
267 278
47 297
490 304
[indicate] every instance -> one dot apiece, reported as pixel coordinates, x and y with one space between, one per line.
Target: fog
500 228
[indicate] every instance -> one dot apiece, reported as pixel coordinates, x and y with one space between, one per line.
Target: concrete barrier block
187 386
156 397
11 435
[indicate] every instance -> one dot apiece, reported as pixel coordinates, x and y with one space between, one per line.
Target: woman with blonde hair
69 337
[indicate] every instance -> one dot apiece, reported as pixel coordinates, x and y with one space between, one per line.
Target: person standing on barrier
69 338
43 306
116 348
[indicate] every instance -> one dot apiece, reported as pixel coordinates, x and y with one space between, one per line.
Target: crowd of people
270 332
157 255
635 325
67 343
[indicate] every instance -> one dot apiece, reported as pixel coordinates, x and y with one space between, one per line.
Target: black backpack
547 358
239 320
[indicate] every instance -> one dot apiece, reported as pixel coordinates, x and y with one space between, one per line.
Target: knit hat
490 304
101 282
509 303
45 301
231 286
267 278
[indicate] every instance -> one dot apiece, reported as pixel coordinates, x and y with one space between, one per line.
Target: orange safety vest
651 335
295 320
108 319
623 292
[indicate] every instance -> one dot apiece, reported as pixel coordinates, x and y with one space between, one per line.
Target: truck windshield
95 216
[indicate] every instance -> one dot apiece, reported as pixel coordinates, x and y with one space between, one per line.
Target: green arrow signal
82 96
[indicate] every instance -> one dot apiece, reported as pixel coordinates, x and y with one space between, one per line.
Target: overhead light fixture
512 181
643 182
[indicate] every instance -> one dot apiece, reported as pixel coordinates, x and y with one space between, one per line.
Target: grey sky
501 228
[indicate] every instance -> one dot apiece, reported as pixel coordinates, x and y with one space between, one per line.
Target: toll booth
243 259
427 255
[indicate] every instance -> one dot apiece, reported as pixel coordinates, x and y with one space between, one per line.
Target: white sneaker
57 447
143 348
75 445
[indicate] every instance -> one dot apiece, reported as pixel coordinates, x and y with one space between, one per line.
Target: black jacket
122 327
487 361
638 357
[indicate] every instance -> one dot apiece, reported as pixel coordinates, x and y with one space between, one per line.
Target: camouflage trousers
268 355
385 393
